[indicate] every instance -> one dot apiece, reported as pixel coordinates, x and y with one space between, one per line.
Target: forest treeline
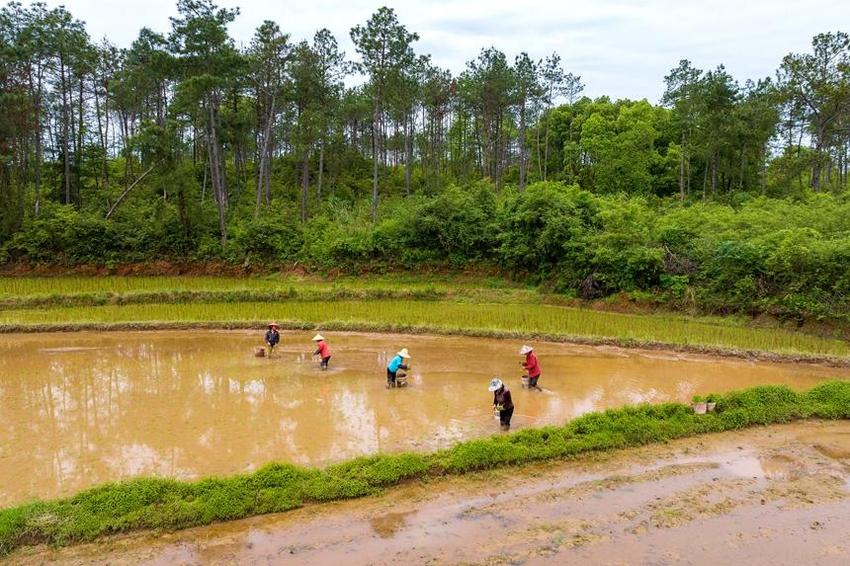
187 146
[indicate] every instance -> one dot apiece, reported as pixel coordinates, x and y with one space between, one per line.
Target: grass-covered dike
150 503
432 303
438 316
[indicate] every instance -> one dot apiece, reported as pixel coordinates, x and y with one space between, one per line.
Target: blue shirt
395 363
272 337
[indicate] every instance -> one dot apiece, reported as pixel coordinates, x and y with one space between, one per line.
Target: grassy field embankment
441 304
150 503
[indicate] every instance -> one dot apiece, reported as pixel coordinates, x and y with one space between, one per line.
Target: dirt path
776 495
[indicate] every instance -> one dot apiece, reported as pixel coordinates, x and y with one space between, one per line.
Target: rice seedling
18 287
445 317
151 503
81 291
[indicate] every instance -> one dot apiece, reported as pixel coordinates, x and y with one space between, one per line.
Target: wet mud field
80 409
773 495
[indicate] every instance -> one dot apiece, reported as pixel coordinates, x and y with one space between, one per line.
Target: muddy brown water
86 408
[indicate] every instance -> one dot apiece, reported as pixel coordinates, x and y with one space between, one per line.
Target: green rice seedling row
521 319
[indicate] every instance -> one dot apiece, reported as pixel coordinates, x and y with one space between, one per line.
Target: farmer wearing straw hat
531 365
397 363
502 401
322 350
272 336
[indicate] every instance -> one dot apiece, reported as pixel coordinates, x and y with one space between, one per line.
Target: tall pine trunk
375 157
101 137
714 175
817 168
321 171
546 140
764 170
78 151
408 154
66 126
305 183
38 148
682 170
264 166
216 167
523 159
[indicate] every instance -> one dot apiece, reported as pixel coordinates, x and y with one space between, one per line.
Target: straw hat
525 349
495 384
273 325
404 353
318 337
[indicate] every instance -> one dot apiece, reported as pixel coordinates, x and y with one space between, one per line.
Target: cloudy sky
620 48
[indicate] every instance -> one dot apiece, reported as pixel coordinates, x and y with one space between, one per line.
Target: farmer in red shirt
531 365
322 350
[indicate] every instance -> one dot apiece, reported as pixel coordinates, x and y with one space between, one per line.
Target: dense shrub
785 257
268 239
43 239
545 229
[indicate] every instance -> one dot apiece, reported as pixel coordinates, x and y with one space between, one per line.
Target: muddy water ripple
85 408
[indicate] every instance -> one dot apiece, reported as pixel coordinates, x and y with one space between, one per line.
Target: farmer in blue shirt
272 336
396 364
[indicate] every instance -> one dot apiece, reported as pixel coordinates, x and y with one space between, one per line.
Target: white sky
620 48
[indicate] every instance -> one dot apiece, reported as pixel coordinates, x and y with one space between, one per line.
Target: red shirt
531 365
323 349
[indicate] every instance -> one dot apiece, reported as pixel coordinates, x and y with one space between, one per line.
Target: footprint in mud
781 467
833 445
386 526
833 451
769 466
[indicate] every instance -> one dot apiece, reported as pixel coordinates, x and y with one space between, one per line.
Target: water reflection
81 409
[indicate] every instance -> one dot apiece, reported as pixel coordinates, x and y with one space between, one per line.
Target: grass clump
150 503
828 400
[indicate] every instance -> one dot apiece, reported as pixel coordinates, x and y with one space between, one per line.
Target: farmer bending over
322 350
272 336
396 364
531 365
503 402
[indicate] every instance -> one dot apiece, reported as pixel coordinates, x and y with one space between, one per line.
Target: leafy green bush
43 239
269 238
544 229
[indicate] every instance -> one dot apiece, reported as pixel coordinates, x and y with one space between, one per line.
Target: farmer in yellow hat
272 336
398 362
322 350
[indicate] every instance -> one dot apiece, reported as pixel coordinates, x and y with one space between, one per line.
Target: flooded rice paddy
86 408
